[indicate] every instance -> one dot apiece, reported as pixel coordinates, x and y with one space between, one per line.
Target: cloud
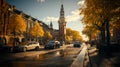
49 19
73 17
40 1
81 2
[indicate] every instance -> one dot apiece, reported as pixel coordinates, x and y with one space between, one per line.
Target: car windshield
28 43
24 43
76 42
51 42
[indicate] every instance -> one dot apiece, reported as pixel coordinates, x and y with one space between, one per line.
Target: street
59 33
62 57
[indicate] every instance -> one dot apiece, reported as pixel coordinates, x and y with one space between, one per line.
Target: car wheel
24 49
53 47
58 46
45 48
37 48
11 49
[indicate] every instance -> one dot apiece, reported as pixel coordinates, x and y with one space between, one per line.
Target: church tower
62 25
51 25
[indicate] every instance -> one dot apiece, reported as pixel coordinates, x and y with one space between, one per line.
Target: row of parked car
24 46
32 45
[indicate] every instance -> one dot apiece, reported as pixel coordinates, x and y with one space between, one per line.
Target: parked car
62 43
27 46
52 44
5 48
77 44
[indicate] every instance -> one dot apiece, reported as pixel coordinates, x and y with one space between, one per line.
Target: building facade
4 14
6 11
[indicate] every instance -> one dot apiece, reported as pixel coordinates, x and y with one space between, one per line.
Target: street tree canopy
90 31
97 11
72 35
47 35
17 24
36 30
100 14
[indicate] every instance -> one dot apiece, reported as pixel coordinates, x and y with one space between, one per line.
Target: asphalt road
62 57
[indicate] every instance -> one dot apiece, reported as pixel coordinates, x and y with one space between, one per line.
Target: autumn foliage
17 24
47 35
36 30
72 35
100 15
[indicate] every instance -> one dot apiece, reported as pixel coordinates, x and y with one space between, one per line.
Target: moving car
77 44
27 46
52 44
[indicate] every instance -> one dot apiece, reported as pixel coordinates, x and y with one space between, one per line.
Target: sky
49 11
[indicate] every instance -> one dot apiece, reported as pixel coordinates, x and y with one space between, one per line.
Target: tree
90 31
103 11
69 32
76 35
36 31
73 35
16 25
68 39
47 36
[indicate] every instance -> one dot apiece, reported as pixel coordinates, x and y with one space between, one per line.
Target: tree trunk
14 42
102 35
90 37
107 37
107 32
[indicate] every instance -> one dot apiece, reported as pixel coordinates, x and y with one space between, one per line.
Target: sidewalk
101 60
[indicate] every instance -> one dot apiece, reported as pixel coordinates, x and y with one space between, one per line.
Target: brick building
6 11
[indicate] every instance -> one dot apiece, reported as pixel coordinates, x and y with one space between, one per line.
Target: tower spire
62 12
51 25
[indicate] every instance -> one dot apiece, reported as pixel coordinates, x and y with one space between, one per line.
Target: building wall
4 22
62 31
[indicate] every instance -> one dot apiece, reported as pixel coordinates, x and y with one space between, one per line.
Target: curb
80 58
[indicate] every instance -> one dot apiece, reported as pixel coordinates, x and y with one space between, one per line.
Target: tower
51 25
62 25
